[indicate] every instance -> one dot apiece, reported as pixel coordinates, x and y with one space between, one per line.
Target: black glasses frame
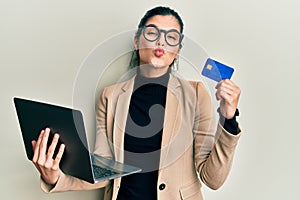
165 32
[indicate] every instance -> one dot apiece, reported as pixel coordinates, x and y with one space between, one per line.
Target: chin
157 63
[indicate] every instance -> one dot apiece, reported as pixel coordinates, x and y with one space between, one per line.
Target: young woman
158 122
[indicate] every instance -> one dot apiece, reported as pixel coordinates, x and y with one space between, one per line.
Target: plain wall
43 44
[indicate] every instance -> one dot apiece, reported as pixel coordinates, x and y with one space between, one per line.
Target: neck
151 71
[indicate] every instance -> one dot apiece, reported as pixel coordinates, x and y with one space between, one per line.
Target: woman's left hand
228 93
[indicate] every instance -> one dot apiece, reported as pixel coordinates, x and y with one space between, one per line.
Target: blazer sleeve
70 183
102 147
213 147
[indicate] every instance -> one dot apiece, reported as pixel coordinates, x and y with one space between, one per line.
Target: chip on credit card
216 70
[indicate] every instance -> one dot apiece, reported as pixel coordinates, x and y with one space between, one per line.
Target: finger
225 89
226 83
33 143
58 157
50 152
229 87
226 97
43 147
37 147
219 84
218 95
52 147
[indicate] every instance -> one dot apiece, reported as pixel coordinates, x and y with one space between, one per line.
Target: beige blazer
192 149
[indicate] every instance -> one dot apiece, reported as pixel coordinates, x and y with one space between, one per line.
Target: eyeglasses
152 33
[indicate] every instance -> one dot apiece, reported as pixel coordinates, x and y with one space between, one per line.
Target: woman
158 122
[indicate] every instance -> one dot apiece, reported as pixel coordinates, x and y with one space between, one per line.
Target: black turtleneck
143 136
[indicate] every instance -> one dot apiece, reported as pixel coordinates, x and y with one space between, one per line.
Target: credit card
216 70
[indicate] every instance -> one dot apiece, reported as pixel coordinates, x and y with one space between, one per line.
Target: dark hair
160 10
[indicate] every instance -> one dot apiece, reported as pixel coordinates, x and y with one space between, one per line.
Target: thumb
33 143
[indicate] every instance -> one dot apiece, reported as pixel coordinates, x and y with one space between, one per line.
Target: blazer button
162 186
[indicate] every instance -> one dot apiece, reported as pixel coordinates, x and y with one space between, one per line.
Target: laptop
77 161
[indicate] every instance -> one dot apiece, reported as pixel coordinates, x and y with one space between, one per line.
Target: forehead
164 22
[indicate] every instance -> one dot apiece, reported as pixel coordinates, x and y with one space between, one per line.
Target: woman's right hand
43 157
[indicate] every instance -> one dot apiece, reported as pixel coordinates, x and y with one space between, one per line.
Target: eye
170 37
151 33
173 36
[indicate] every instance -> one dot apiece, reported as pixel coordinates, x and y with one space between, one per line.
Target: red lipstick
159 52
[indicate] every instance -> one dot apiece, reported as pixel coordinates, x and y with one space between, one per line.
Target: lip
159 52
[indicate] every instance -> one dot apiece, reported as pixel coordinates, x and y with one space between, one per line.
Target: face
158 53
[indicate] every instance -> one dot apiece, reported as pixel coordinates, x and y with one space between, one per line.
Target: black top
143 136
230 125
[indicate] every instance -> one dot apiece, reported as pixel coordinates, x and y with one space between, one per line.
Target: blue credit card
216 70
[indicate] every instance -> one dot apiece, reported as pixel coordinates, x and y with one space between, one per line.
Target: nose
161 39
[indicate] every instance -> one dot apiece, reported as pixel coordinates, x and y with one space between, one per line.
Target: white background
43 43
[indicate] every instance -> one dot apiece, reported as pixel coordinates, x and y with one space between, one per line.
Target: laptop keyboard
100 172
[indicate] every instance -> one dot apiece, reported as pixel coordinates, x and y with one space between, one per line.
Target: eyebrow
162 29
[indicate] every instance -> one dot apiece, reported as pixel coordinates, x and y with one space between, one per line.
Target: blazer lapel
123 100
172 117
